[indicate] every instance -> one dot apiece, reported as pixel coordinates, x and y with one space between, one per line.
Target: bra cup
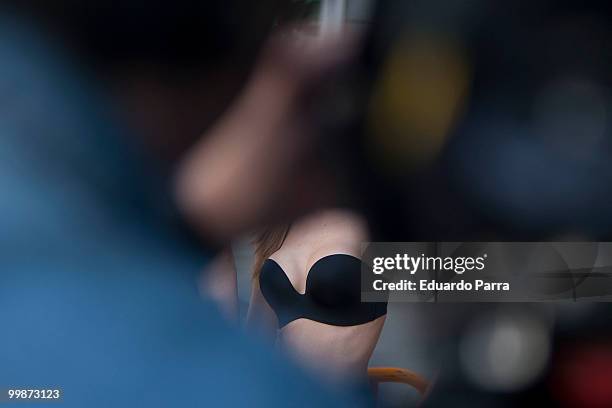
276 286
333 293
334 282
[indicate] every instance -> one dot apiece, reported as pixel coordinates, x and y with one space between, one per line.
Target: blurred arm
242 170
219 283
261 319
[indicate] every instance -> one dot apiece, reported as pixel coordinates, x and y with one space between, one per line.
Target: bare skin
251 168
252 165
338 354
219 283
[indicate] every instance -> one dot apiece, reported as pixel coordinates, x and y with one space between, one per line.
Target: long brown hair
267 242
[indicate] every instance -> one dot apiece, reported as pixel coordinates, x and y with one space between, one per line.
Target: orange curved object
398 375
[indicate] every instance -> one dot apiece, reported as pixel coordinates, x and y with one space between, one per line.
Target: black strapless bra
333 293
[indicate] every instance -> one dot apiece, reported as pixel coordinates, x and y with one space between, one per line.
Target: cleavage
300 289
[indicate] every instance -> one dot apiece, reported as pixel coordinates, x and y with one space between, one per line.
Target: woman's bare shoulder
342 232
348 225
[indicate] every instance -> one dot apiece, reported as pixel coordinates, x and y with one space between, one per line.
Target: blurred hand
249 167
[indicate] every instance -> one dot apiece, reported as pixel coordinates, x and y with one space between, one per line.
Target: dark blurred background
460 120
490 121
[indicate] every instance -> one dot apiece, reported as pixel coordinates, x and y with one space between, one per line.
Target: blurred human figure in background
98 281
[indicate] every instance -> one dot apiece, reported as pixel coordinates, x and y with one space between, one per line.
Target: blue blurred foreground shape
98 289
